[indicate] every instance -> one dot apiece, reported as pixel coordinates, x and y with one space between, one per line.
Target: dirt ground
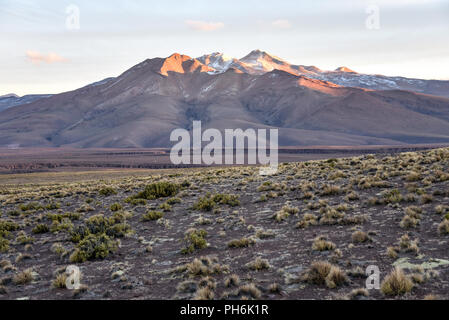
307 232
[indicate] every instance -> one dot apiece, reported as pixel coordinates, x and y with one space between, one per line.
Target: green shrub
204 204
6 227
114 226
119 217
135 202
97 223
64 225
229 199
158 190
61 216
195 240
79 233
53 206
22 238
119 230
165 207
92 247
4 244
152 215
172 201
30 206
41 228
208 202
116 207
107 191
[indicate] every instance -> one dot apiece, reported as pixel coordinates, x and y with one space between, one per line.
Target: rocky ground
307 232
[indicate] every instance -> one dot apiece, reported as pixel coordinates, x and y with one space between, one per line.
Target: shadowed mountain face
12 100
142 106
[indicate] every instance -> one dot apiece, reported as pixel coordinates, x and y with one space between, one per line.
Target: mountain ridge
141 107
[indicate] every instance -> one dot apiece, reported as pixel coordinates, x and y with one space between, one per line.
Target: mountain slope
12 100
143 105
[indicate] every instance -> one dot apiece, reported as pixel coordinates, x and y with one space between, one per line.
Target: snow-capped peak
263 61
219 61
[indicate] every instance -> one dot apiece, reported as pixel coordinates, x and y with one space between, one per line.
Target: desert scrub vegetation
285 212
442 209
4 244
6 227
308 219
60 281
258 264
107 191
23 277
443 227
157 190
392 196
322 272
360 237
209 201
89 225
31 206
396 283
203 266
321 243
330 190
93 246
96 238
270 186
195 240
232 281
114 226
405 244
249 290
241 243
411 218
40 228
59 217
116 207
152 215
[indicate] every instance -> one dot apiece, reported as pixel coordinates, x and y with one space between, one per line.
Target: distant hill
12 100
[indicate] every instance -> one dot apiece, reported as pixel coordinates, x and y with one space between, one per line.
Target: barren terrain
27 160
307 232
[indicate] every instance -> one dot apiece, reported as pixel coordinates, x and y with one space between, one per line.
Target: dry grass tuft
396 283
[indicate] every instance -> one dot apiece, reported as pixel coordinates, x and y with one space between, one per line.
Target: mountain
143 105
11 100
258 62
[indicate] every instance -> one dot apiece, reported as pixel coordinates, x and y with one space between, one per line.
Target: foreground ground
308 232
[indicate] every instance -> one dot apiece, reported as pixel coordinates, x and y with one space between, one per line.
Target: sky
56 46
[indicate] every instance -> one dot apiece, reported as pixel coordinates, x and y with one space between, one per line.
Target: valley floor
307 232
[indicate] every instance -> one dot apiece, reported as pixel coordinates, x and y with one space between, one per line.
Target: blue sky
40 54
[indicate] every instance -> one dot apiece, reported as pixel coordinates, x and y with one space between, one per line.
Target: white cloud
281 24
36 57
204 26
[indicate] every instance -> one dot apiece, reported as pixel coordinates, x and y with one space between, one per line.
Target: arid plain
307 232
